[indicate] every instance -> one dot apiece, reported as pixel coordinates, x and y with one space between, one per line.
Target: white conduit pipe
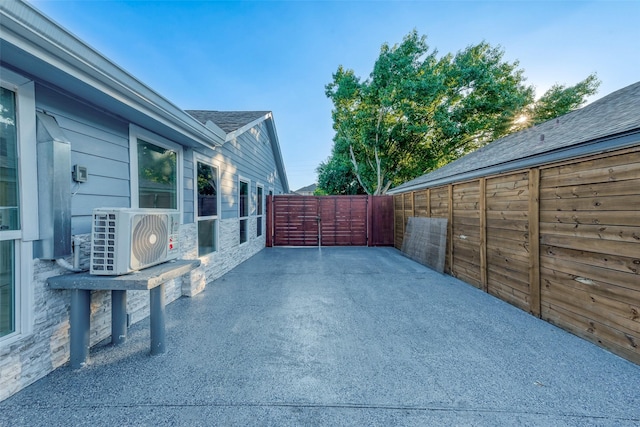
65 264
76 259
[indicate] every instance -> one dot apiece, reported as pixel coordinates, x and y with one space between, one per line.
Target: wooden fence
561 241
357 220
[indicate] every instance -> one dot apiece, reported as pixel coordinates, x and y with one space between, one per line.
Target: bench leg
118 317
156 317
79 320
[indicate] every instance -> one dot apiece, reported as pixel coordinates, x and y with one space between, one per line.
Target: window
18 218
9 209
157 176
155 170
259 209
207 193
243 206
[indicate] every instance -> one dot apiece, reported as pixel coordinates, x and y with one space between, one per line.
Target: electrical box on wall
79 173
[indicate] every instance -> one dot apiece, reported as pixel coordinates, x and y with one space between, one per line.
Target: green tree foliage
417 112
560 100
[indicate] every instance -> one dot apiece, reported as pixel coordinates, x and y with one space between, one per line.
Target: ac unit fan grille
149 239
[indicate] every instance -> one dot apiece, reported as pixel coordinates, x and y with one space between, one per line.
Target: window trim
136 133
24 90
246 218
200 158
260 203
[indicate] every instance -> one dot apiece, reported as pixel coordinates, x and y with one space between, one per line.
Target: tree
417 112
559 100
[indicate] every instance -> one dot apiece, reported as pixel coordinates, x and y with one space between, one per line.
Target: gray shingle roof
308 188
615 114
228 121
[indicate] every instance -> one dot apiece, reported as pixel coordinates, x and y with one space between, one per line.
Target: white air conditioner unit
125 240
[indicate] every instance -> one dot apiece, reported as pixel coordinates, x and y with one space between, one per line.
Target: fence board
517 252
620 263
616 188
510 294
505 279
631 249
507 224
589 273
587 329
614 233
421 201
609 203
628 218
622 316
604 169
600 326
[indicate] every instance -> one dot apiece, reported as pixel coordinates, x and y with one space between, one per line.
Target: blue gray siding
100 142
250 156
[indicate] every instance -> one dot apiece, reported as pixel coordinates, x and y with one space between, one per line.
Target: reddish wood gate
330 220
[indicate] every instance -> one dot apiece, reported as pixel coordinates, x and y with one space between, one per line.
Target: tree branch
355 167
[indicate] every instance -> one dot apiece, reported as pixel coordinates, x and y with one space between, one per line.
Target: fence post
450 229
483 234
535 303
269 242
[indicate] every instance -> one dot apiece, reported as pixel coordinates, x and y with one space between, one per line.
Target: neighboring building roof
308 189
609 123
235 123
32 41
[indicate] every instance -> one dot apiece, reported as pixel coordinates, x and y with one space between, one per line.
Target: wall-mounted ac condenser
125 240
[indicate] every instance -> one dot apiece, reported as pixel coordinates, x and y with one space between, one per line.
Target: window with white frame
207 207
243 208
18 213
9 208
156 171
259 209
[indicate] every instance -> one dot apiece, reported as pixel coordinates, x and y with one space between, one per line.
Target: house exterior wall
559 240
100 141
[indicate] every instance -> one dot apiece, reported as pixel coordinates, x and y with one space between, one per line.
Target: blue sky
279 55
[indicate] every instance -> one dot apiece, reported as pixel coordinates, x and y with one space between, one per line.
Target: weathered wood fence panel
466 233
398 221
561 241
508 238
439 202
590 250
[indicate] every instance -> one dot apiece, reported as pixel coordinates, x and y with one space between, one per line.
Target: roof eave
234 134
35 34
277 153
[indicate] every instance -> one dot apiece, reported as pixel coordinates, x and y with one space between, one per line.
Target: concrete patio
339 336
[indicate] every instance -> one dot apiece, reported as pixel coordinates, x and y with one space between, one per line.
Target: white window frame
136 133
197 157
260 215
28 186
240 218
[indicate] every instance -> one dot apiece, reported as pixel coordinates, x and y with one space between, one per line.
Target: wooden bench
151 279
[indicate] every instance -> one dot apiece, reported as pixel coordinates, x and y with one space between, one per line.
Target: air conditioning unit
125 240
